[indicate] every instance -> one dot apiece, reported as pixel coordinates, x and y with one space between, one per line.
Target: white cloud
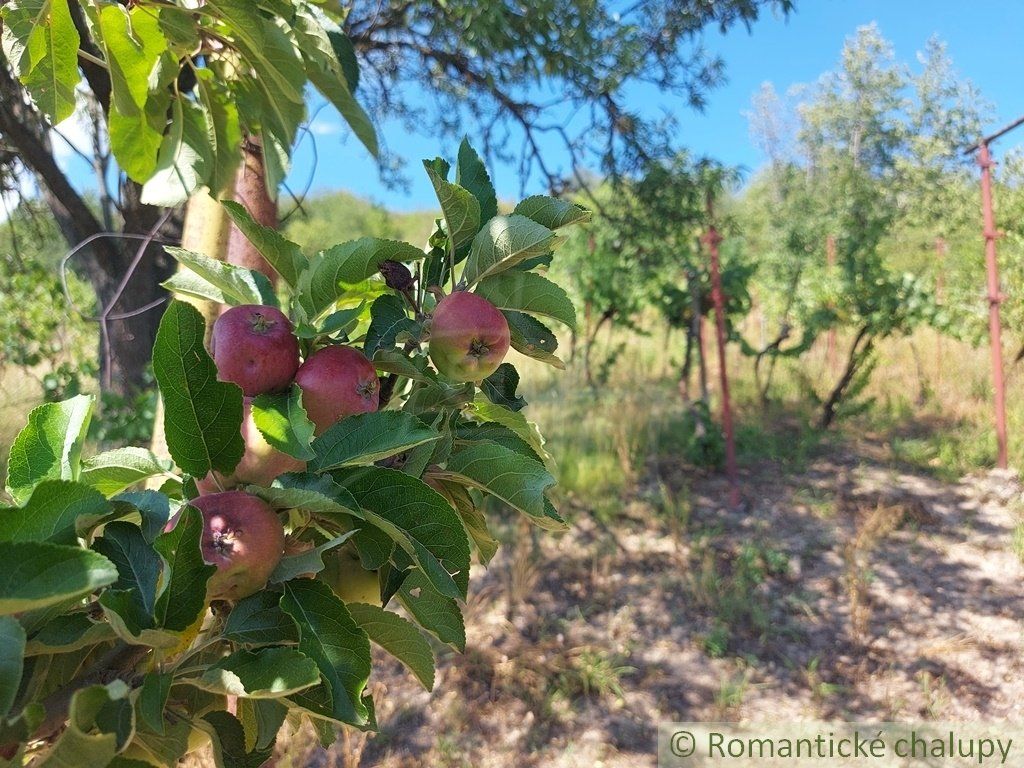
324 128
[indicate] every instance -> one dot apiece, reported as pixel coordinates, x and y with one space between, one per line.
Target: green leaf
12 661
50 445
495 433
283 422
398 637
439 544
503 242
51 513
272 54
342 321
135 139
259 620
184 160
225 130
500 388
460 208
368 437
179 28
153 693
93 734
113 471
388 319
340 648
436 613
528 292
266 673
41 43
37 574
552 212
134 44
392 361
183 596
138 567
154 510
202 416
471 173
473 520
437 395
318 40
532 338
262 720
228 739
167 747
284 256
487 411
346 54
280 122
317 494
265 47
310 561
348 264
515 479
219 281
67 633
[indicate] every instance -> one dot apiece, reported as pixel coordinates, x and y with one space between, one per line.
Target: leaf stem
93 59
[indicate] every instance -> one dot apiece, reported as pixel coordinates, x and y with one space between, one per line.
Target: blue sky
983 39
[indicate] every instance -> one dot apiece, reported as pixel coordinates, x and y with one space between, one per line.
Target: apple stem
412 302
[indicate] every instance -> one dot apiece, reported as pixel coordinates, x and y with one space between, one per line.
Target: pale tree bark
204 231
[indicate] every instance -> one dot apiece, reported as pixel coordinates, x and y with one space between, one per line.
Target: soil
852 590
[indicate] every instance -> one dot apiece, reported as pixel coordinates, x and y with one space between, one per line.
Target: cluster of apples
255 347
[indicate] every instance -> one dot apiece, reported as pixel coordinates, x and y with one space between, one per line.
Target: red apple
337 382
243 537
254 347
260 463
469 337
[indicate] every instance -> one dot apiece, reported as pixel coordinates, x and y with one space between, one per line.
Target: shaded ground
853 590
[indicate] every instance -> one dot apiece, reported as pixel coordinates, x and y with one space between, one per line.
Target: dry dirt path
851 591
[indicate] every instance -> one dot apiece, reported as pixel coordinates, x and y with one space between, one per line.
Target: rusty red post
994 300
712 239
830 255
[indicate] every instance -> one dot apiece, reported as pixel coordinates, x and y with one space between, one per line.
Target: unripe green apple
243 537
139 753
346 576
469 337
254 347
337 382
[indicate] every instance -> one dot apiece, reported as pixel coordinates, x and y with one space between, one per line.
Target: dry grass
872 528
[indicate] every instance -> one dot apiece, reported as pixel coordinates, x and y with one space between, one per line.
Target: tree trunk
854 361
133 302
126 335
251 191
206 230
687 367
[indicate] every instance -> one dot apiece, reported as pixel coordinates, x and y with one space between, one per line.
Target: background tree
877 151
243 71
